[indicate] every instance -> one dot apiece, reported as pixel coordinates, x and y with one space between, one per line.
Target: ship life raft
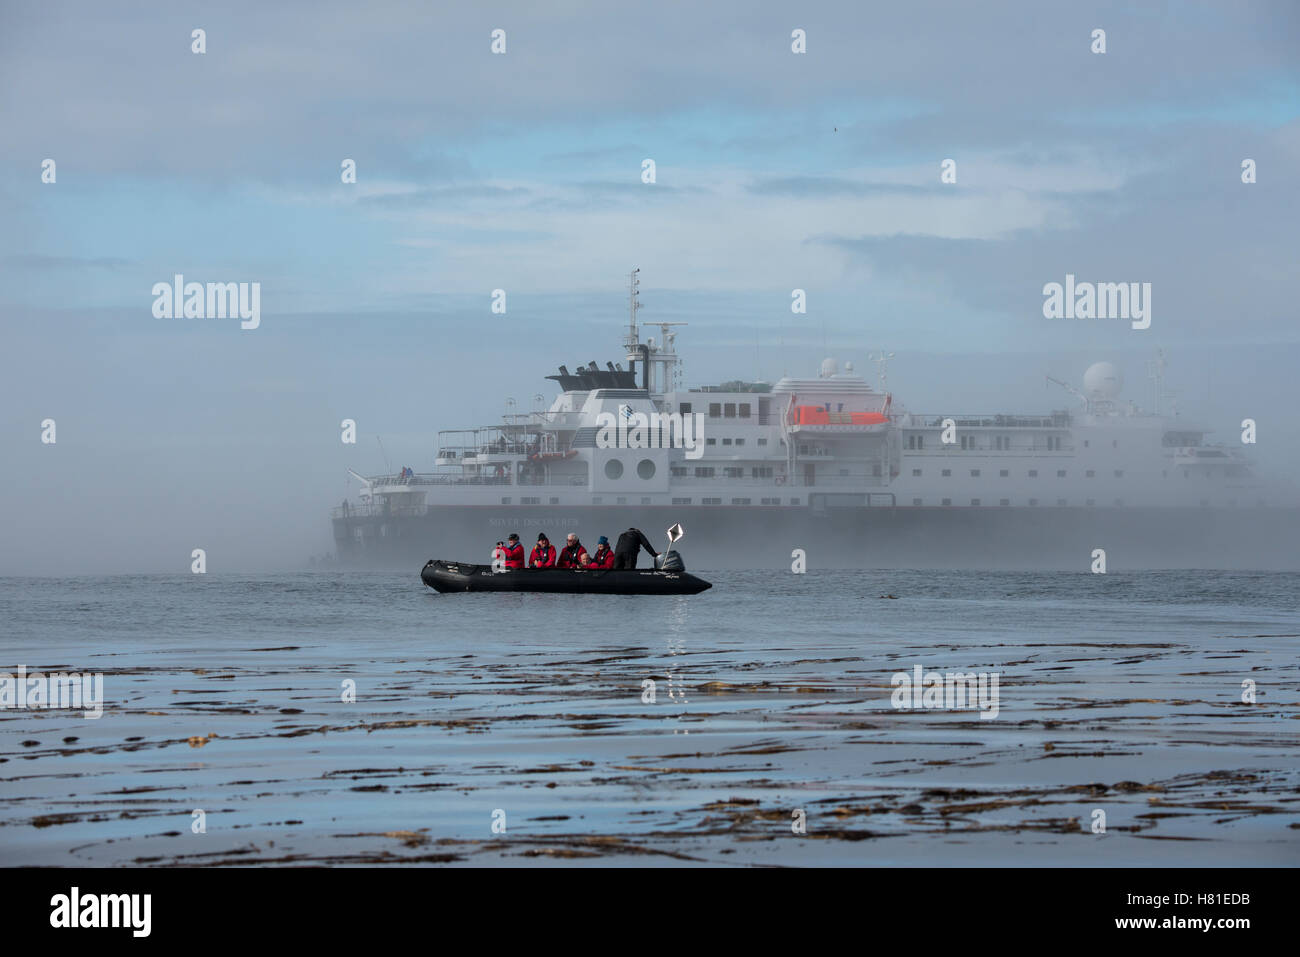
552 456
462 576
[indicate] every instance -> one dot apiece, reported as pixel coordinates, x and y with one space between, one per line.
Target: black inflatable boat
462 576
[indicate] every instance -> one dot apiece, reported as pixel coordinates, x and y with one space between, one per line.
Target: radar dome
1102 381
828 368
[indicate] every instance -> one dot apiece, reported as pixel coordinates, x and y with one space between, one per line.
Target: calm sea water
519 729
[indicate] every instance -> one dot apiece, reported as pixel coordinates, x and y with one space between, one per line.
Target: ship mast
632 306
660 359
1156 373
881 359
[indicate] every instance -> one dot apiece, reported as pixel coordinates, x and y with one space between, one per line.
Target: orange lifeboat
817 415
811 415
553 456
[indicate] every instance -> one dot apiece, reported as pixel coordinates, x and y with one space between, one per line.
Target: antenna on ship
1156 373
632 306
881 359
1072 390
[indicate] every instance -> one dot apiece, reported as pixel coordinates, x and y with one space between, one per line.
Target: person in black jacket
629 547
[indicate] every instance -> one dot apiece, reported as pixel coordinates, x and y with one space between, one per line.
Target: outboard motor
670 561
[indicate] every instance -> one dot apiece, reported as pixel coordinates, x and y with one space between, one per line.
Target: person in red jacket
603 556
543 555
511 552
572 555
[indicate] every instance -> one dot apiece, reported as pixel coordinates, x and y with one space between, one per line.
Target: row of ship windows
1061 503
714 441
622 500
646 470
1001 443
1033 473
756 471
614 469
734 501
1060 473
730 471
1033 502
720 410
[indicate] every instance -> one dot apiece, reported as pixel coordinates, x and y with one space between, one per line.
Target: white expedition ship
831 465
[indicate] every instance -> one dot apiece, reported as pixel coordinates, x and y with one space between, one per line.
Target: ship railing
563 482
502 447
396 481
968 420
390 484
457 443
735 482
433 478
496 448
955 448
505 448
466 452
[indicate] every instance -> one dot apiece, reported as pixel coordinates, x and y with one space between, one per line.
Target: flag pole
675 531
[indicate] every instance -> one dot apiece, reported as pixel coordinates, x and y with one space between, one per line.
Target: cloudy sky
522 171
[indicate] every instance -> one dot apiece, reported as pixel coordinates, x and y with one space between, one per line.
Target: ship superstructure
827 444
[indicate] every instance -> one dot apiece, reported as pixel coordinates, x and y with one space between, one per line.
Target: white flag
675 533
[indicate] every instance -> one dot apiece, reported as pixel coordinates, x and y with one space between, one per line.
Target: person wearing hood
603 556
543 555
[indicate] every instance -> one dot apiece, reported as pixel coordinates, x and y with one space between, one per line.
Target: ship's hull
463 576
910 537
